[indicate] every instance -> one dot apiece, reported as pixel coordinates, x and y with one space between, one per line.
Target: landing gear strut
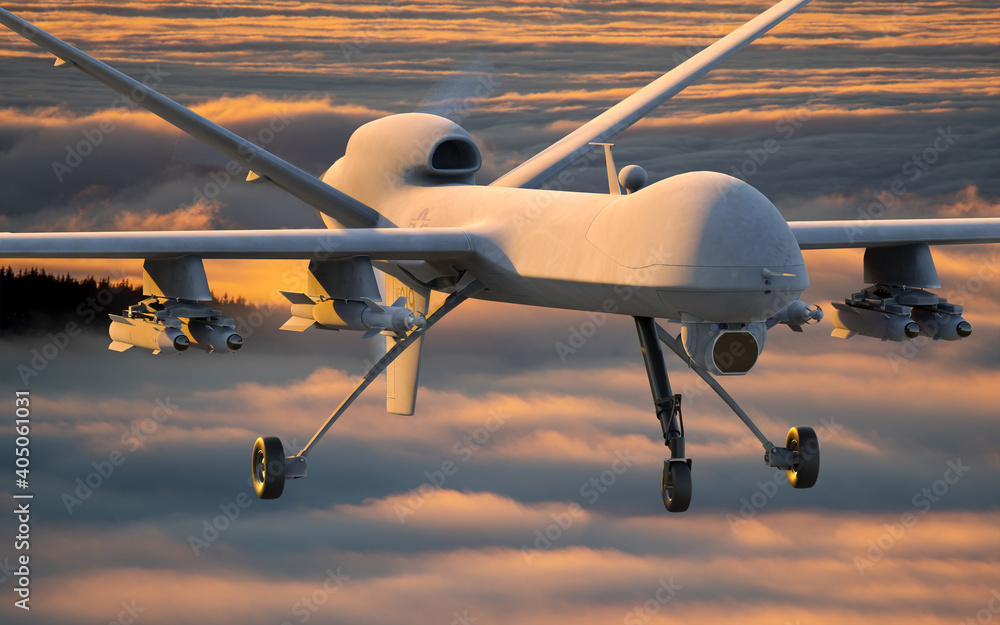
675 485
270 467
799 457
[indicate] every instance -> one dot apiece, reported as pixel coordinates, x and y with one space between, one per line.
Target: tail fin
402 375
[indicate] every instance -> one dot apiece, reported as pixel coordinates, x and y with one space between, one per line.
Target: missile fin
298 324
372 332
118 346
297 298
842 333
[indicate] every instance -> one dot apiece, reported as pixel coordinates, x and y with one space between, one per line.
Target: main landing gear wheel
676 485
804 445
268 467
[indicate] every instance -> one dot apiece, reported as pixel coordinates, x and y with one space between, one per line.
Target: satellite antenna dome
632 178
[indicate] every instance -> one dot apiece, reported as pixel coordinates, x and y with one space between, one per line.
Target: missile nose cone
181 342
419 320
817 313
911 330
964 329
234 342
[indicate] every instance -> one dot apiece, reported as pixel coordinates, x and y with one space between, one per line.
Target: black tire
676 486
268 467
805 445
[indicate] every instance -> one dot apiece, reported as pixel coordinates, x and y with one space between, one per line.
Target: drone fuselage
698 245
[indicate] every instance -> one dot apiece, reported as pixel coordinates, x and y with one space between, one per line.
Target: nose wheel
676 485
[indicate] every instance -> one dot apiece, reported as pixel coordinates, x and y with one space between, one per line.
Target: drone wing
821 235
261 163
320 244
539 168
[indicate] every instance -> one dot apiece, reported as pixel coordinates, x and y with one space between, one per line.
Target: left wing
539 168
262 164
322 244
820 235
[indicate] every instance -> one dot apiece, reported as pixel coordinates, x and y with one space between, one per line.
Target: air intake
454 156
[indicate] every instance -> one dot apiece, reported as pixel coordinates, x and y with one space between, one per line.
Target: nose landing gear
675 485
799 457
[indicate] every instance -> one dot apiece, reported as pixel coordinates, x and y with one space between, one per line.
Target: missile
211 337
364 315
938 324
796 315
138 332
881 324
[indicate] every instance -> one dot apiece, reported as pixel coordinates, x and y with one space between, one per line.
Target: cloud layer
524 490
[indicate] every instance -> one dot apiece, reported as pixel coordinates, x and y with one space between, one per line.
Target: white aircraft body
701 248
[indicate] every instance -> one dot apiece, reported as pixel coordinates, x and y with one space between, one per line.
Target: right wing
825 235
321 244
311 190
539 168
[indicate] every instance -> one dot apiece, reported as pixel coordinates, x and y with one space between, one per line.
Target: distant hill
34 302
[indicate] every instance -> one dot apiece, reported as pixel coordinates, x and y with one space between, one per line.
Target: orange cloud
706 575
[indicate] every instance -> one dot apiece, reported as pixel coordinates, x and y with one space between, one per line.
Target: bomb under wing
172 326
892 313
129 332
363 315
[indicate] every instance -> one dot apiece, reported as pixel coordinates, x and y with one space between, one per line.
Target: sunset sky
902 527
